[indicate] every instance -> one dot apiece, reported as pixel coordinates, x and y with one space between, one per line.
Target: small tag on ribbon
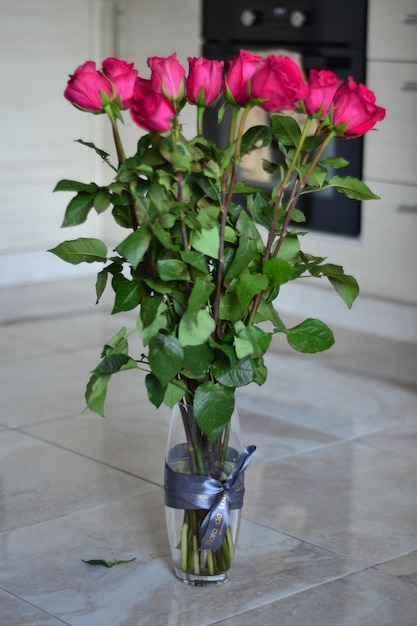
190 491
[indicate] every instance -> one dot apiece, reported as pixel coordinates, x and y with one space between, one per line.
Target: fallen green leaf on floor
107 563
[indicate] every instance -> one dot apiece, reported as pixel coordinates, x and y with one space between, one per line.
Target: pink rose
238 78
122 76
322 85
355 106
168 77
150 109
85 86
204 82
278 84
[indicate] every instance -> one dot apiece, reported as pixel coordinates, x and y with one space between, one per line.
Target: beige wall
41 43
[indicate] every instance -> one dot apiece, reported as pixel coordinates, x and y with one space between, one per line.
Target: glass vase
195 468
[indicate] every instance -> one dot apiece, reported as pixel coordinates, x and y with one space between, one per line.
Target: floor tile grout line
58 315
363 564
85 456
399 556
76 512
35 606
288 595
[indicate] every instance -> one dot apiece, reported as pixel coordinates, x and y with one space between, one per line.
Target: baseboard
393 320
28 268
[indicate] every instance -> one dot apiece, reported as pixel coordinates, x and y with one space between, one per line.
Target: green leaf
73 185
151 307
155 390
248 286
194 259
82 250
172 269
236 373
335 162
102 200
352 188
199 296
165 357
174 393
128 295
213 408
207 241
134 247
107 563
310 336
114 363
317 177
101 283
230 307
195 329
286 130
290 248
103 155
95 393
243 347
345 285
278 271
152 318
244 257
347 288
122 216
258 338
116 344
197 360
254 138
261 372
245 188
78 209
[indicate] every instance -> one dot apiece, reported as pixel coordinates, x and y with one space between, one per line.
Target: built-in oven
321 34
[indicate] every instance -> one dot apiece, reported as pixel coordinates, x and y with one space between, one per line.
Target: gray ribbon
192 491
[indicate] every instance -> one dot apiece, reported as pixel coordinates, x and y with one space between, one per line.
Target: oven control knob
298 19
248 18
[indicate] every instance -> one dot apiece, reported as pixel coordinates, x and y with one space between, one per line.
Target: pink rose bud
204 83
150 109
84 87
278 84
354 106
322 85
168 77
238 78
122 76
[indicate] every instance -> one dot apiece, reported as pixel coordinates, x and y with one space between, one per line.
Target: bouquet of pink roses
194 261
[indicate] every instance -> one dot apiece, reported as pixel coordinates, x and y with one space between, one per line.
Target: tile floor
329 530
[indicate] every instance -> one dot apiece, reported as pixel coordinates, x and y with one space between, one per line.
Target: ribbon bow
185 491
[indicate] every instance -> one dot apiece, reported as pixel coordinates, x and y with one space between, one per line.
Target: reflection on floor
329 530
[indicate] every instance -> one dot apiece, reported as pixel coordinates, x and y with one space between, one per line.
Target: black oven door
329 211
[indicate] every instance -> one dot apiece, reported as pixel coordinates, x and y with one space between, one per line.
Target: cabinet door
392 30
388 255
391 151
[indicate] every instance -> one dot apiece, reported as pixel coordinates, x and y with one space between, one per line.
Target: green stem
295 194
121 156
200 113
240 131
233 122
184 537
283 186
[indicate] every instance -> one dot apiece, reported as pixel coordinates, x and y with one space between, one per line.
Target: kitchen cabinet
389 226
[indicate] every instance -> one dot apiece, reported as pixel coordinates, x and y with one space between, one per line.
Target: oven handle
409 85
407 208
410 18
